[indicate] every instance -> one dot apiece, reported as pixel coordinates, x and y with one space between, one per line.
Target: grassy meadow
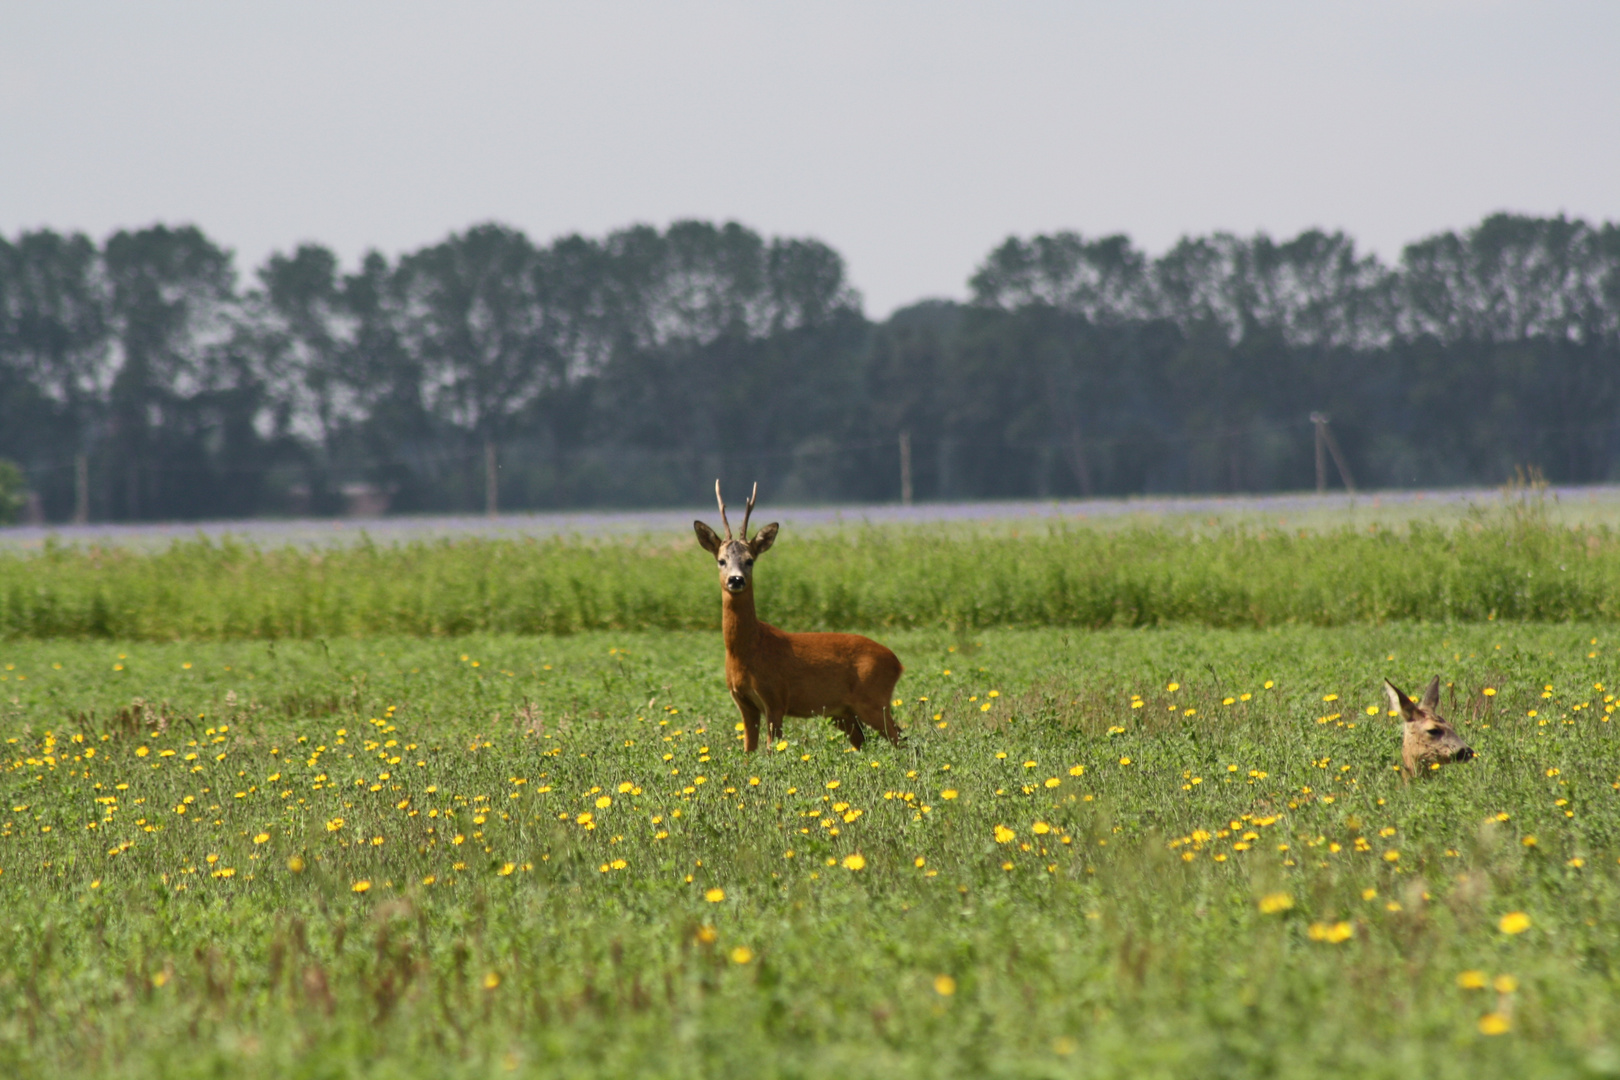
1175 851
480 809
1512 561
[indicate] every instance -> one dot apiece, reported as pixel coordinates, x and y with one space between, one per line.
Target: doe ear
706 537
1399 702
762 541
1431 696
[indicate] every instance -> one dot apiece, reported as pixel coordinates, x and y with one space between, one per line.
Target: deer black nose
1465 754
735 582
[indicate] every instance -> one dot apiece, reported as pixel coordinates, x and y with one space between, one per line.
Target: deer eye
748 562
1436 731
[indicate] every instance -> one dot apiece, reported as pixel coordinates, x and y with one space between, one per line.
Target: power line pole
905 468
489 477
1326 442
81 489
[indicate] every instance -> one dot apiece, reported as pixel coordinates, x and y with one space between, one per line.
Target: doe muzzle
1465 754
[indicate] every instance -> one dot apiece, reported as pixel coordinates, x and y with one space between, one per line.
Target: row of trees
140 379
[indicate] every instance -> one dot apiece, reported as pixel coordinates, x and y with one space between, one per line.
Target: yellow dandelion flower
506 869
944 985
714 896
1333 933
604 801
334 825
742 954
1514 922
360 886
261 838
491 981
1494 1023
1274 903
1005 835
1504 984
856 861
1471 980
707 934
296 864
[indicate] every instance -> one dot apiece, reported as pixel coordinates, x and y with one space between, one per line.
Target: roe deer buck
1427 737
844 676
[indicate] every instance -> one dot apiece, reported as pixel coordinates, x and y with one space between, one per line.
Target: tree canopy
633 368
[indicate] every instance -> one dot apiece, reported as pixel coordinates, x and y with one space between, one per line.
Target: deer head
735 557
1427 737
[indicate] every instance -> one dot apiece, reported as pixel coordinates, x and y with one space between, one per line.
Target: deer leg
750 719
846 722
880 718
773 727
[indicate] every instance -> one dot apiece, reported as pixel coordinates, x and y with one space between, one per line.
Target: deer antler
749 510
722 503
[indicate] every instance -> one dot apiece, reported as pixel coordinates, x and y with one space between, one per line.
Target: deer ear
1431 696
706 537
762 541
1398 702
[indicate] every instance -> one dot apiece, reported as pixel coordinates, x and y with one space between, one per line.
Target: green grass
1127 940
1512 563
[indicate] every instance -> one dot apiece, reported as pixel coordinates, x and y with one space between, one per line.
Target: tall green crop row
875 577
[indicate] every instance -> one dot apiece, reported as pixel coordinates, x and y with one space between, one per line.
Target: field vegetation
480 808
1510 561
1174 851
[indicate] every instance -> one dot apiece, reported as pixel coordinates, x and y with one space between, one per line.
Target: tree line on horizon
140 379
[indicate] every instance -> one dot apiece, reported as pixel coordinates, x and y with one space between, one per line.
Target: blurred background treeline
143 378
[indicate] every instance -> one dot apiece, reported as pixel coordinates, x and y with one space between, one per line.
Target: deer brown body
774 674
1427 738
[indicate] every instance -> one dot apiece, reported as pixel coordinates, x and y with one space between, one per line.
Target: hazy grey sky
912 137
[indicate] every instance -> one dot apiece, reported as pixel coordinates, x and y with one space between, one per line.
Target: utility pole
905 468
81 489
1326 442
489 477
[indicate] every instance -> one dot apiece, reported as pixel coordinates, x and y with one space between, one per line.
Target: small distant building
361 500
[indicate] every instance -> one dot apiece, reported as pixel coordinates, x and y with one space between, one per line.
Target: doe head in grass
1427 738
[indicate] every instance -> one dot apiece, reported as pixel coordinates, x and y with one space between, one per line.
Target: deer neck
739 623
